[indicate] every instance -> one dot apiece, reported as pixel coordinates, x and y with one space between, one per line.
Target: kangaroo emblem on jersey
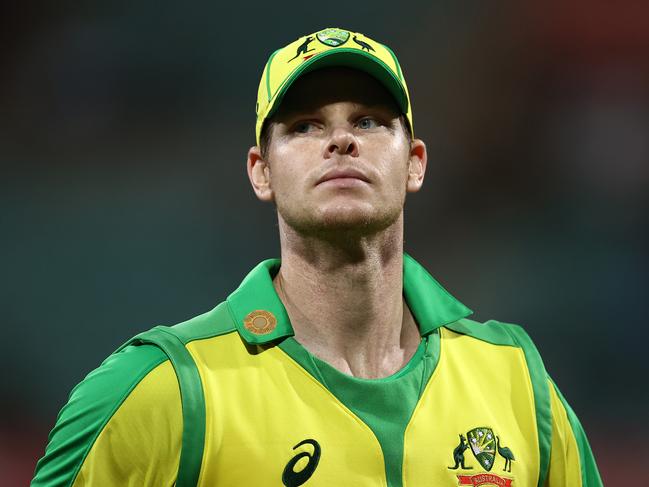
302 48
458 454
364 45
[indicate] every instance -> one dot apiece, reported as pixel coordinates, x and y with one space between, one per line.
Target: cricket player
344 363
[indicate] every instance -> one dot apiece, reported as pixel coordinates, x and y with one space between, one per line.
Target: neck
345 299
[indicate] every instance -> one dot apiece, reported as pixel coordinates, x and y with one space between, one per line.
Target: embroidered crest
483 446
333 37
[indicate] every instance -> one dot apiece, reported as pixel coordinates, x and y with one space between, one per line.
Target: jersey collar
256 299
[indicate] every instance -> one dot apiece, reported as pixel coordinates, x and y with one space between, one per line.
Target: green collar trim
431 305
256 293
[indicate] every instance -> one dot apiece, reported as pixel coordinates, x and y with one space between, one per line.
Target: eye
304 127
367 123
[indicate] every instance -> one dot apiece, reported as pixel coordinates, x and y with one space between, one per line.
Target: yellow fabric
259 406
565 464
476 384
140 445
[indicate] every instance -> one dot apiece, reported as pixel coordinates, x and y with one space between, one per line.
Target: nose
342 142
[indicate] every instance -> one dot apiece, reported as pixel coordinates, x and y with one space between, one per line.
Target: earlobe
259 174
416 165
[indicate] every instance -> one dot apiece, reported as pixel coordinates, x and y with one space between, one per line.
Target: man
343 364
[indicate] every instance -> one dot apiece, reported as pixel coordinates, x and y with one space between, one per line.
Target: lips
343 173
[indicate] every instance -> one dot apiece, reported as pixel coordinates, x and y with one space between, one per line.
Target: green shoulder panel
493 332
215 322
508 334
91 405
589 473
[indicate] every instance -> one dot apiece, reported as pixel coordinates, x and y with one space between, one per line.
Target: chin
347 221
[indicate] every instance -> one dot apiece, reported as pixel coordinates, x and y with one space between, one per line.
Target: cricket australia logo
486 448
333 37
483 446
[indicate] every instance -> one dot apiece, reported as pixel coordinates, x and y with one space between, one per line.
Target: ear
259 174
416 165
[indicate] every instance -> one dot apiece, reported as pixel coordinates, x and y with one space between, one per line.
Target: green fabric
192 399
215 322
431 305
256 292
491 331
499 333
385 405
589 473
91 405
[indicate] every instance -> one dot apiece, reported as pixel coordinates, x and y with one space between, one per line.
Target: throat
365 362
359 325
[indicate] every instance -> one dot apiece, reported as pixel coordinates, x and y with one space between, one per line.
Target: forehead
332 85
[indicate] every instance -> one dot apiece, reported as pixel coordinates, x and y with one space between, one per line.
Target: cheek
293 148
291 164
286 177
280 179
394 165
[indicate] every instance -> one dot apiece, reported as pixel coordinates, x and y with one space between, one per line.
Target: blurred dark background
124 202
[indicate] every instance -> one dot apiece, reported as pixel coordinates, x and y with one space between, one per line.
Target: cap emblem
303 48
333 37
260 322
364 45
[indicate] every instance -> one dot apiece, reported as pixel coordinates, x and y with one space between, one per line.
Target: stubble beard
339 224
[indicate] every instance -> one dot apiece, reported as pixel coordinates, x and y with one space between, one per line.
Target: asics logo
291 478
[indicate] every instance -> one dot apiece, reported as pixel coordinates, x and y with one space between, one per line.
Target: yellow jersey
474 406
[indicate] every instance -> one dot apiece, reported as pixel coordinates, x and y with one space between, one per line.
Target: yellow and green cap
327 48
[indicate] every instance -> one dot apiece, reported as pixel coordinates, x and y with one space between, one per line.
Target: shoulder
495 333
93 401
505 335
215 322
132 399
95 404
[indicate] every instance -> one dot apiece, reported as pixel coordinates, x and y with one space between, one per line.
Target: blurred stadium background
124 201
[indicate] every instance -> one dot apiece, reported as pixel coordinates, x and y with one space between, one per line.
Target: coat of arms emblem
483 445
